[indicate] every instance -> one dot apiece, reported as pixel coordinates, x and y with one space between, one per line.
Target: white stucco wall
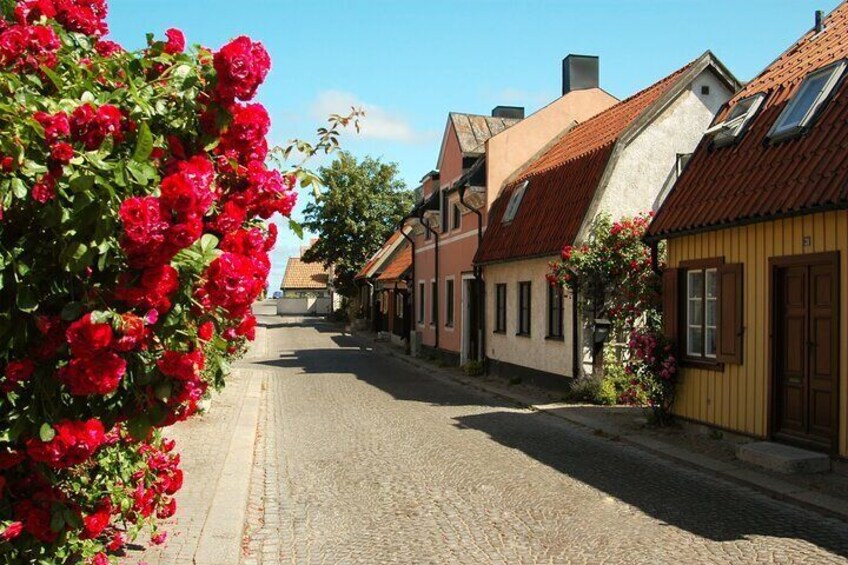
535 352
646 163
303 306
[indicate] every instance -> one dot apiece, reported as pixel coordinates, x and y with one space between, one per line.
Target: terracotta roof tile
397 265
563 181
300 275
753 180
379 255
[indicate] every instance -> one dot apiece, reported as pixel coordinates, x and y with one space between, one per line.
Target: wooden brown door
806 350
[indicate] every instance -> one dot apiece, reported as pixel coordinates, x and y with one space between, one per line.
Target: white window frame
704 300
781 130
734 126
515 202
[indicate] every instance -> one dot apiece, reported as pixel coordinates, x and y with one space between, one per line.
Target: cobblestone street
361 458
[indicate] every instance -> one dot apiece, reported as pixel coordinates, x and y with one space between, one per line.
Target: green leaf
26 299
163 391
53 76
19 188
144 144
139 428
72 311
46 432
296 228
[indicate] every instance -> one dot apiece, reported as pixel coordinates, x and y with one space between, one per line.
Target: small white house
306 289
618 162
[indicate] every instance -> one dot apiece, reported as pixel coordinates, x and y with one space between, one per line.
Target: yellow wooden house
756 284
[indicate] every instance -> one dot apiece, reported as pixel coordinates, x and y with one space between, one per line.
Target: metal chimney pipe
819 21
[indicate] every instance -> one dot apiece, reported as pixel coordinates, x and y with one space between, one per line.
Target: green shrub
473 368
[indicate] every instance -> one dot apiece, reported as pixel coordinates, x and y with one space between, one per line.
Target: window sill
690 363
499 332
555 338
519 334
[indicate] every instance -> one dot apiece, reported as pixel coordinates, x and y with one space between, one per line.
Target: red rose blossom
242 66
86 338
100 374
176 41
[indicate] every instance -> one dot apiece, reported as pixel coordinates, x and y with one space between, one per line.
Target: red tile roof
300 275
378 256
394 269
563 181
752 180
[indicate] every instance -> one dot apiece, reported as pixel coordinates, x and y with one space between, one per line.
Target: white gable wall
644 165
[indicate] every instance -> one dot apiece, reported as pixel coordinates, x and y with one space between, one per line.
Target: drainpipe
436 236
372 296
412 287
478 279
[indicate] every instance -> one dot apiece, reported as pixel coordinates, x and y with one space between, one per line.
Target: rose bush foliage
613 276
133 189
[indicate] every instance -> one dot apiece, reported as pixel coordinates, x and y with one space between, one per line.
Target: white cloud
378 122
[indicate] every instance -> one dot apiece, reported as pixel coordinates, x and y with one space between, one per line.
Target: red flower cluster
92 126
73 443
244 141
176 41
152 290
242 66
94 368
233 283
84 16
28 48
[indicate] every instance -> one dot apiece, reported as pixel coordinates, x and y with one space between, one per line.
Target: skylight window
814 91
514 202
737 120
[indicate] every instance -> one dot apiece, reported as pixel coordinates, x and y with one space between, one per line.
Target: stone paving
364 459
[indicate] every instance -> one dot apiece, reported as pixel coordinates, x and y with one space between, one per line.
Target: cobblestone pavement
363 459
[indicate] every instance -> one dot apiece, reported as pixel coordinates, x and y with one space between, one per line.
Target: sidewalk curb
221 536
775 488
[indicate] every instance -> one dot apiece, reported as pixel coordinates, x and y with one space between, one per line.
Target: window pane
696 284
696 312
712 283
711 342
695 341
712 312
805 99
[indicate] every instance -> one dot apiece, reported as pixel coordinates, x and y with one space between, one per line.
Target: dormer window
803 107
514 202
737 120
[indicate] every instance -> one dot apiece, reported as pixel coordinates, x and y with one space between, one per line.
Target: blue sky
409 63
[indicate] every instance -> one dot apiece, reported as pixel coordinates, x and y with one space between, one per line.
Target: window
801 109
701 313
456 221
444 212
500 308
737 120
421 309
555 311
449 303
399 306
515 202
524 308
434 302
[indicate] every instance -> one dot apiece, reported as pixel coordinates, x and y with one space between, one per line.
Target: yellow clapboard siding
738 397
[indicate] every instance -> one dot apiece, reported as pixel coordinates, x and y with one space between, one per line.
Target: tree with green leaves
357 209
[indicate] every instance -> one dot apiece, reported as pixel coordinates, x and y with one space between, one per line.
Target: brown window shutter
671 304
731 327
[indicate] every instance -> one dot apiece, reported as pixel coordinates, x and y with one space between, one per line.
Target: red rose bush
133 189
